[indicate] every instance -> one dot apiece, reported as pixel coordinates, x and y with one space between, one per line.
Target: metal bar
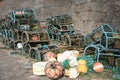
114 55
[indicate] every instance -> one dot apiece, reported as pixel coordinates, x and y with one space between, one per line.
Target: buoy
52 59
53 70
82 62
65 55
73 73
19 45
82 69
58 55
98 67
67 72
76 53
49 55
35 38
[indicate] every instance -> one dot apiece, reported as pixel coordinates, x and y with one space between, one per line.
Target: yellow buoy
59 54
52 59
76 53
82 69
67 72
82 62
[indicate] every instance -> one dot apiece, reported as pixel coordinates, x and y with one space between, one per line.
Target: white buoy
19 45
73 73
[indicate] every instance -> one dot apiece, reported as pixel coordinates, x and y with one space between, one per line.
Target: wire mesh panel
58 25
111 40
73 40
57 20
31 36
103 44
95 35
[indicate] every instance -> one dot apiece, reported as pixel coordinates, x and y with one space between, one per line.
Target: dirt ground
11 68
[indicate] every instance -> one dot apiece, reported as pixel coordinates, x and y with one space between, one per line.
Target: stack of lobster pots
61 29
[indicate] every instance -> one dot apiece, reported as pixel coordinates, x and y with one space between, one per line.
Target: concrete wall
86 14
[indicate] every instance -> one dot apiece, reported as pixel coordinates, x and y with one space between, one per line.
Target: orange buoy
98 67
43 27
54 70
49 55
35 38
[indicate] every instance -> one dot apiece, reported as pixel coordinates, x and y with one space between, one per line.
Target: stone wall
86 14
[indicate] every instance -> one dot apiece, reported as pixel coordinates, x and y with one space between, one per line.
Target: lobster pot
111 40
62 19
34 54
52 31
96 34
30 36
52 47
16 36
5 33
67 28
25 14
47 47
44 36
73 40
11 34
64 29
61 28
91 50
27 48
88 39
24 28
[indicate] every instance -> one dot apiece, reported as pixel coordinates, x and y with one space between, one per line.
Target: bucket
38 68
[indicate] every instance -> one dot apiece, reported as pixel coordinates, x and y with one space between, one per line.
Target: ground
11 68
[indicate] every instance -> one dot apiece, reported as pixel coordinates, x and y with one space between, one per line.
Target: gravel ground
11 69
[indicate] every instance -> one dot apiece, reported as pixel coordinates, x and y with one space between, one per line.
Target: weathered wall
86 14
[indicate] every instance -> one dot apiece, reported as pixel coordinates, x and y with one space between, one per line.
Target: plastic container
38 68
